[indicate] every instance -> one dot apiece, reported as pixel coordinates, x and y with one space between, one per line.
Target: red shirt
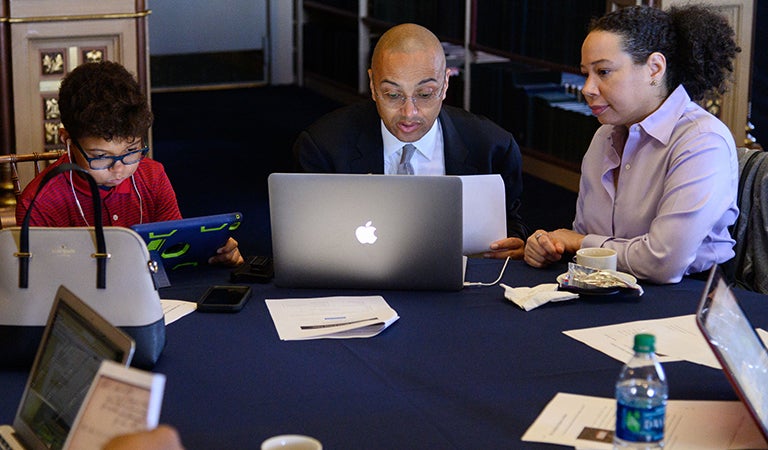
152 200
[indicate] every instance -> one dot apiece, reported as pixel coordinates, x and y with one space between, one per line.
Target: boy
105 118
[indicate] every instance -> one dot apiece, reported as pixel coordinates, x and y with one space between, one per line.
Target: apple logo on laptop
366 234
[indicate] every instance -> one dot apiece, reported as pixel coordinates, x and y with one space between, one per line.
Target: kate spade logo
63 251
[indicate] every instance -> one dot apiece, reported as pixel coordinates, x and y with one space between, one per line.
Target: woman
659 180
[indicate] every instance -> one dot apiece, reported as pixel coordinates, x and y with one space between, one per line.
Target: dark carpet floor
219 146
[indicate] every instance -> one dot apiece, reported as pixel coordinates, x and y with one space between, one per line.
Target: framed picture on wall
53 62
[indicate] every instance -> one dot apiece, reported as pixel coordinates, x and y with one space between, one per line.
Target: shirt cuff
594 240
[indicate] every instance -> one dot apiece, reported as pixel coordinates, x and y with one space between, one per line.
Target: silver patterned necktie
405 167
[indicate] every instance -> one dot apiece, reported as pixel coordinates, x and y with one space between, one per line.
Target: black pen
338 324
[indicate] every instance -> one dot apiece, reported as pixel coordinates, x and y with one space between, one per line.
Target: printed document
330 317
677 339
120 400
586 422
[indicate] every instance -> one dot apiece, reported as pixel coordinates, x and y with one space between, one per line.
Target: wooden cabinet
41 41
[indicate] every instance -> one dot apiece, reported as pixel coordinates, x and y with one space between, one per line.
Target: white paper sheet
689 424
120 400
330 317
174 310
677 339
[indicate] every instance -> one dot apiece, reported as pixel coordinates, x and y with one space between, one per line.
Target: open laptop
75 341
736 345
367 231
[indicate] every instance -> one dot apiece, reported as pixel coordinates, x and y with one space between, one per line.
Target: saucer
562 281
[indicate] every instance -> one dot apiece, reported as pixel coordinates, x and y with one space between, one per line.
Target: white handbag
108 267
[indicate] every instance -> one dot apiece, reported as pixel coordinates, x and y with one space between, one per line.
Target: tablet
176 244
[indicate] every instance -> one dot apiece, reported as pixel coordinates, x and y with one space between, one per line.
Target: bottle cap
645 343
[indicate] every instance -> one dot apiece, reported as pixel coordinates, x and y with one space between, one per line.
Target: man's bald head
407 38
408 66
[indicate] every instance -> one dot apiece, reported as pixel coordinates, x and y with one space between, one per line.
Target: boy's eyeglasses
421 99
107 162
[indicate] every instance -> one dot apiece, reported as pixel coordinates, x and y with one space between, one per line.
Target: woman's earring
654 82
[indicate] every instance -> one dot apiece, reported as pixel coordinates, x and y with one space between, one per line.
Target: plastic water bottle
641 399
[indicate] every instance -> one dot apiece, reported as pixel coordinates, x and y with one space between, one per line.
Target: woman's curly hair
103 100
696 40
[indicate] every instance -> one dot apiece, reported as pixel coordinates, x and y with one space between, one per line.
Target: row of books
550 30
533 104
547 30
562 126
529 101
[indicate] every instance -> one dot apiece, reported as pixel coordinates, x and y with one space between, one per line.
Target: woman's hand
542 249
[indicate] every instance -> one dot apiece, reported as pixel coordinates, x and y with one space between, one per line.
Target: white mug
291 442
597 258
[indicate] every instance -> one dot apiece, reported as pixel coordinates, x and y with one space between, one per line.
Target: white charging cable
479 283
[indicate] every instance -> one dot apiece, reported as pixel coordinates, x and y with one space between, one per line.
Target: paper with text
677 339
567 417
330 317
120 400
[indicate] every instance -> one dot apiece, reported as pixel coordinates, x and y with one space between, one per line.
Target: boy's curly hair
103 100
696 40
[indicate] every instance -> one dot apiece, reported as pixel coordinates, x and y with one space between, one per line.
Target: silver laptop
75 341
736 345
366 231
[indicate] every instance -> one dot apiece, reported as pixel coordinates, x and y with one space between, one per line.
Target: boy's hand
228 255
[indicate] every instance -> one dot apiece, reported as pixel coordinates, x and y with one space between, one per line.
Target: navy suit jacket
349 140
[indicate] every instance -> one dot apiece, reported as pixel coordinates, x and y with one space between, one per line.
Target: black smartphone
255 269
224 299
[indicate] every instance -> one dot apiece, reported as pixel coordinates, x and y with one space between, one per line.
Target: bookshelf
516 63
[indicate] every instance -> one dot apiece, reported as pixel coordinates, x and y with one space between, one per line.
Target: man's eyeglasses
107 162
423 98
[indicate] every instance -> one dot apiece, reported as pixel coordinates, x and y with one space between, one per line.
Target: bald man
408 79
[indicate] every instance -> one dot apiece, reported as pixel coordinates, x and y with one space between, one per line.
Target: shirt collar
426 145
661 123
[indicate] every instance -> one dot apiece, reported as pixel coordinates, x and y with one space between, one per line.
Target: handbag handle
101 254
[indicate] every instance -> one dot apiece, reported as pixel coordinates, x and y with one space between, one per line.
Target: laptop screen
71 353
737 346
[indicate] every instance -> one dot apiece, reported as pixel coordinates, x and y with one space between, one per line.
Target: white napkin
529 298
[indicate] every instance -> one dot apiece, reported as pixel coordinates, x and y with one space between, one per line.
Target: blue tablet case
176 244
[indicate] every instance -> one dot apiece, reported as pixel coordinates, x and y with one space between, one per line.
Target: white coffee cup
291 442
597 258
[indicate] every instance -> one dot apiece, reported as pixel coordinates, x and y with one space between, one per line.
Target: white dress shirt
428 158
